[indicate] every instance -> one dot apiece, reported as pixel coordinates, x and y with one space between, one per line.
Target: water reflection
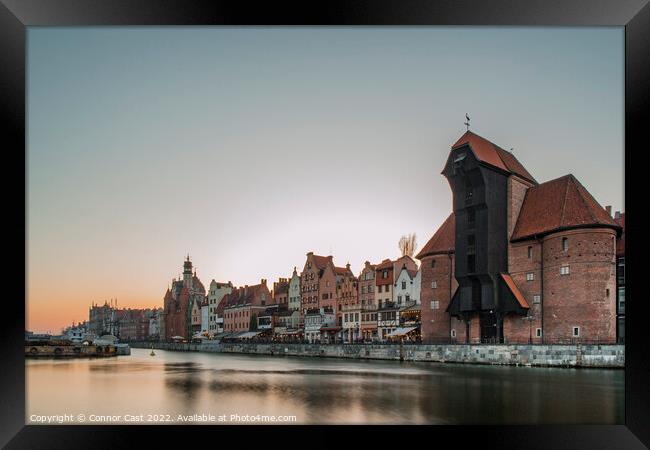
323 390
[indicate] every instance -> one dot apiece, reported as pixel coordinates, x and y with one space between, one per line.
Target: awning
401 331
248 334
287 331
330 328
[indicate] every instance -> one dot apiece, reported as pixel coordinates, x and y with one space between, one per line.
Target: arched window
565 244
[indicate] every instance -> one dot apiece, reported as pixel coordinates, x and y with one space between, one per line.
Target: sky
247 147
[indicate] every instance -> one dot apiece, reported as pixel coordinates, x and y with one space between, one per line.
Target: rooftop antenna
467 123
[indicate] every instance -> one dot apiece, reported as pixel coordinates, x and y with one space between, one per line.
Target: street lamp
530 327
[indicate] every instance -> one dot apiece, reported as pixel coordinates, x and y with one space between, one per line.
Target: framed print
276 220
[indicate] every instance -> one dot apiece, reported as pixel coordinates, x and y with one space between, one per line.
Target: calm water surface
321 391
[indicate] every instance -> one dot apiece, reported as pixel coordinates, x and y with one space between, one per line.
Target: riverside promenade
571 356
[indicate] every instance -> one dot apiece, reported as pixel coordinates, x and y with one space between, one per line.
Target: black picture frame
16 15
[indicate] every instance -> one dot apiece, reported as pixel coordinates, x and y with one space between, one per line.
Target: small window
564 270
607 293
399 299
471 263
379 289
453 333
384 274
565 244
538 332
576 331
469 193
530 276
530 252
434 285
537 298
403 284
471 218
433 263
435 304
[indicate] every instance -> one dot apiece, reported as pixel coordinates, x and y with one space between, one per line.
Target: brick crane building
530 262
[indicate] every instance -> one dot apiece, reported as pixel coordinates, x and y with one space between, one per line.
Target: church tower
187 273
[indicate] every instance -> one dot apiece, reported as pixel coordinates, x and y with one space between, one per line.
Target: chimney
617 215
609 210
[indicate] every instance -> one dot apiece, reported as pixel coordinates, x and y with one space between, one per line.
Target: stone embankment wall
601 356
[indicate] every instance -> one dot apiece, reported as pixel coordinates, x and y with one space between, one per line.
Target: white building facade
294 291
406 287
216 292
314 321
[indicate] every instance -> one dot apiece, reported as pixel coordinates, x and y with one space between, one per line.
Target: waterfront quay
574 356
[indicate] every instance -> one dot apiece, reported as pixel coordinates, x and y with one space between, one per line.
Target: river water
212 388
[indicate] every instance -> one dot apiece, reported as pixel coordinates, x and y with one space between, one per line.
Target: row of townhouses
323 302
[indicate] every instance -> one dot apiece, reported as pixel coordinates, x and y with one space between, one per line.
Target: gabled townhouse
243 305
294 291
318 283
215 317
368 314
280 292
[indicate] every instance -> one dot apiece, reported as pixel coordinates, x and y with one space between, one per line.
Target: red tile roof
385 264
493 155
341 270
620 242
245 295
515 290
196 283
222 304
443 240
321 261
559 204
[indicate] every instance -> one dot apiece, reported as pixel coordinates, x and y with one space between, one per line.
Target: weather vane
467 123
